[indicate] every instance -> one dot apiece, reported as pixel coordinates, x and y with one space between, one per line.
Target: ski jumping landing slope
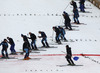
23 16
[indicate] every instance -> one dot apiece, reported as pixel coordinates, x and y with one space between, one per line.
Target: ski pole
64 10
67 6
61 20
52 35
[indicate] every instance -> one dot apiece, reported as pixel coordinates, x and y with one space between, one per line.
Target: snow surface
23 16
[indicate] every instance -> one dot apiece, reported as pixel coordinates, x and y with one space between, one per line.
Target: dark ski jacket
26 45
43 35
57 31
32 37
25 39
69 53
74 5
4 45
11 42
66 17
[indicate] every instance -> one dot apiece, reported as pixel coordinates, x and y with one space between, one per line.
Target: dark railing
96 3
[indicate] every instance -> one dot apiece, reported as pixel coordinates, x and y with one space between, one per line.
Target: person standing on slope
58 34
26 49
69 55
11 42
75 11
44 39
33 43
76 16
25 39
4 48
67 21
62 33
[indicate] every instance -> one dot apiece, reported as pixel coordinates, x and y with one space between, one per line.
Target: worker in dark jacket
62 33
33 43
73 3
69 55
26 49
67 21
58 34
76 16
25 39
44 39
12 47
4 48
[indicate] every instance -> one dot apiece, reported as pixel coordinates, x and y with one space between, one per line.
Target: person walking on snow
62 33
11 42
33 43
76 16
75 11
67 20
44 39
69 55
25 39
58 34
26 49
4 48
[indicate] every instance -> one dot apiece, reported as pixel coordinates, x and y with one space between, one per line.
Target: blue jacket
4 45
62 31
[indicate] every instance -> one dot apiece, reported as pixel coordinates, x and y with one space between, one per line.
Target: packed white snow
23 16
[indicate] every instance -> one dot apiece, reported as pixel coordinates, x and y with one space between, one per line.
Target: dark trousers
44 40
12 48
33 44
76 19
5 52
82 7
68 25
70 61
63 37
57 38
